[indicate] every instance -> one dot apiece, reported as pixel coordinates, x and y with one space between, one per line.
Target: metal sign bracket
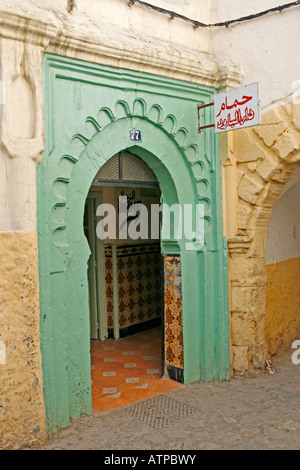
200 128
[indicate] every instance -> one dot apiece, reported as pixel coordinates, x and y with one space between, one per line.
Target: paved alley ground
252 413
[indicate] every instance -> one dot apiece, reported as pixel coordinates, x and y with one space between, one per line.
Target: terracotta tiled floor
127 370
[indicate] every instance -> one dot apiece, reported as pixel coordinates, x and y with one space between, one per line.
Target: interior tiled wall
140 296
139 284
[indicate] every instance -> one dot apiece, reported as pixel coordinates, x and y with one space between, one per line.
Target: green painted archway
89 112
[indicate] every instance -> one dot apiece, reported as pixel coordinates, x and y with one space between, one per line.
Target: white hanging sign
237 108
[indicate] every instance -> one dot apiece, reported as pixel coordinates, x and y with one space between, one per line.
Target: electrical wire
197 24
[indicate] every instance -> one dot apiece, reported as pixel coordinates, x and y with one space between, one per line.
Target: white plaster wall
143 21
138 20
283 240
266 48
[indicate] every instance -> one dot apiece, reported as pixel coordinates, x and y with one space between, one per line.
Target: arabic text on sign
238 119
236 103
237 108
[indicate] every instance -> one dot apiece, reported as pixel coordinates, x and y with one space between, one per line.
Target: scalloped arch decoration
106 116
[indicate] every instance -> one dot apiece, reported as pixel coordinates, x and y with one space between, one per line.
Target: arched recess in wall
282 322
266 158
267 326
81 136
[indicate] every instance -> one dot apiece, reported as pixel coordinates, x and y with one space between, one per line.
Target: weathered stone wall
22 412
257 162
22 417
282 322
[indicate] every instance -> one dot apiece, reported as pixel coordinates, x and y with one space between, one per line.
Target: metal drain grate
160 411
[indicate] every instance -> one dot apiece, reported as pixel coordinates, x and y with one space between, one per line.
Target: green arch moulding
89 112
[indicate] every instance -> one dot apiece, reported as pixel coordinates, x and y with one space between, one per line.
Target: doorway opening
126 287
282 258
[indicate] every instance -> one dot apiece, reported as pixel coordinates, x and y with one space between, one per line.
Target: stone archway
282 256
261 160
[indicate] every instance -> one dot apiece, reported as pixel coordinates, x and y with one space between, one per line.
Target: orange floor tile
127 370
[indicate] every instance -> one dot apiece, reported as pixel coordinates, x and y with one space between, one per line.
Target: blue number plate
135 135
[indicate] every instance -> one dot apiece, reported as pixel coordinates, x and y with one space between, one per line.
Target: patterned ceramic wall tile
173 312
139 283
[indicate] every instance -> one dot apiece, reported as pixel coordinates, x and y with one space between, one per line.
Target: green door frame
89 112
96 271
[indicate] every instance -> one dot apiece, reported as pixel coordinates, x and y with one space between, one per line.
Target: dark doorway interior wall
125 275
